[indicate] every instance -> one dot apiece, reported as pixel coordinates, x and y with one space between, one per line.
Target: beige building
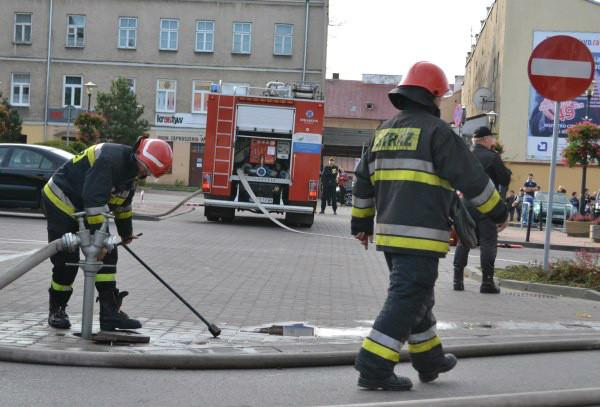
173 53
497 87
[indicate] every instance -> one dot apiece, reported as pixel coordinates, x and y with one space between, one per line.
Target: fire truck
270 136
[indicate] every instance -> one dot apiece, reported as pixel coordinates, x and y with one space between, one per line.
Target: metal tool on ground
213 329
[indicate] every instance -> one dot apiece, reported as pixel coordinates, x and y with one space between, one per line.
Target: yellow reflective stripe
411 243
91 155
106 277
381 350
490 203
123 215
424 346
409 175
94 220
69 210
60 287
363 213
116 200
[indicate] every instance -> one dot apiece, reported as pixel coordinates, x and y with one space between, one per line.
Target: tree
122 114
583 148
10 123
90 126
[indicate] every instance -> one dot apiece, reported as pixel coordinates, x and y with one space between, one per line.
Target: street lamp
88 88
491 116
589 93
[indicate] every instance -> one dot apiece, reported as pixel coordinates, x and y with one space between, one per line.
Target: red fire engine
275 140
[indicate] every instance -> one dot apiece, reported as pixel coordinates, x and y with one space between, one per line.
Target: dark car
24 170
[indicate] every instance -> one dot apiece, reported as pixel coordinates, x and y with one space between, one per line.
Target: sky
388 36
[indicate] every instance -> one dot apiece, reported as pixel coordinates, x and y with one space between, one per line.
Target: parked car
559 206
24 170
596 205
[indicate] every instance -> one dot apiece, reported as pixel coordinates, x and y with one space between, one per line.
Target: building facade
497 88
353 110
172 53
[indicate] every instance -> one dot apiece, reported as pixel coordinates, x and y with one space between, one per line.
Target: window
200 91
76 31
19 91
3 153
127 32
131 84
166 91
168 34
205 34
22 34
242 38
25 159
284 34
72 89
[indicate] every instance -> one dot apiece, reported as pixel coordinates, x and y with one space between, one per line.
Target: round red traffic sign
561 68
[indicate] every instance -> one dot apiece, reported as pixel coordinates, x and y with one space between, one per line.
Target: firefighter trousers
406 316
63 275
329 196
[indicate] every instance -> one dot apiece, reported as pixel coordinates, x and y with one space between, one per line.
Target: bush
583 271
74 147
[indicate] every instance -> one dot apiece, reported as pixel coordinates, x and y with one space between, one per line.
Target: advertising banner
180 120
541 110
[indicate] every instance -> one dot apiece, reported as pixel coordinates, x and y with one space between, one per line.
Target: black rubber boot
459 279
488 286
111 316
57 314
393 383
447 365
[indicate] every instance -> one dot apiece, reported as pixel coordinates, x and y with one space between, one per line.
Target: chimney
336 75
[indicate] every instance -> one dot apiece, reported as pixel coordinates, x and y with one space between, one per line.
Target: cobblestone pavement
251 273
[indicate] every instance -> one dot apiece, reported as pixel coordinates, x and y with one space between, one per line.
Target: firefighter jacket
408 176
100 179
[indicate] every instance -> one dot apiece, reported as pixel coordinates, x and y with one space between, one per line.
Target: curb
557 290
530 245
268 361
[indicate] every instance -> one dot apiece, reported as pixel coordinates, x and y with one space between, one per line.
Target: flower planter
577 229
595 233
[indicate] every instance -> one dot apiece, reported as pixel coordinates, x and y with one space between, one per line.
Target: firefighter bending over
408 176
100 179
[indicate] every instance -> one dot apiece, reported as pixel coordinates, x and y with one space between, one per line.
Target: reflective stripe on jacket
407 178
98 180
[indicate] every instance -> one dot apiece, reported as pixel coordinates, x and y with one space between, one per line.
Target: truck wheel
299 219
213 214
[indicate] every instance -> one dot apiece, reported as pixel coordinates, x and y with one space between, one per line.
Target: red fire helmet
156 155
429 76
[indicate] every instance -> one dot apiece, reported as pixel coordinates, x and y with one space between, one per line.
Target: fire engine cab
273 136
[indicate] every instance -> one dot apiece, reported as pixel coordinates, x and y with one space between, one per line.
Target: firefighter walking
408 176
100 179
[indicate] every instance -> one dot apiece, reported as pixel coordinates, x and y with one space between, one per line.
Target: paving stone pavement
251 273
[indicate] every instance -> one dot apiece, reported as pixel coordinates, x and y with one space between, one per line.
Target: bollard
529 218
541 223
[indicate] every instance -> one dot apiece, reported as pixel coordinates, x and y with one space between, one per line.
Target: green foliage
74 147
583 271
583 144
90 126
10 123
120 109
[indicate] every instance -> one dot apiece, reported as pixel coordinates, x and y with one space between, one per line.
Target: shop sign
180 120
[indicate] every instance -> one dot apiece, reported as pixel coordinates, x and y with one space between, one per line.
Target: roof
349 99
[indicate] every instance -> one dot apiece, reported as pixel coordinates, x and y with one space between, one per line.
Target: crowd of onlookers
530 187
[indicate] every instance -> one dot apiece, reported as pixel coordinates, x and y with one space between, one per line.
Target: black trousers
488 246
63 276
328 195
407 315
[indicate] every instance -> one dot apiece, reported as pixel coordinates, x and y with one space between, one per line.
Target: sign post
560 68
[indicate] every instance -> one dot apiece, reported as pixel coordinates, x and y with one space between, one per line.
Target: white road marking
17 241
497 259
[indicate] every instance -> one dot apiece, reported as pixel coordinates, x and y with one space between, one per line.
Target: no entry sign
561 68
